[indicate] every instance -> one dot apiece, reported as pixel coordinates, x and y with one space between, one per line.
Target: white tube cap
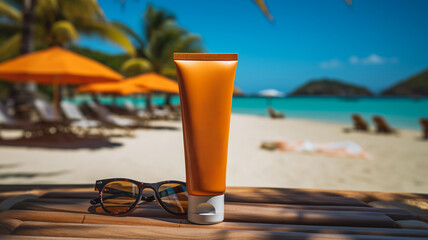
205 209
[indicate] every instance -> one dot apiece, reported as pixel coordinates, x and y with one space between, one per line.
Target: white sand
400 162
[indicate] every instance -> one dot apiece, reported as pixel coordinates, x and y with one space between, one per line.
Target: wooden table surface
64 212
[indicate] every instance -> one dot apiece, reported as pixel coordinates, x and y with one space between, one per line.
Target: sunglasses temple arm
95 201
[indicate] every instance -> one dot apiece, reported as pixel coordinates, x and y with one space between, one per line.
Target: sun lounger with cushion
49 121
132 110
103 114
162 114
72 112
8 122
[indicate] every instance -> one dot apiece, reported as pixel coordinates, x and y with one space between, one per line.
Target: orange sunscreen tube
206 89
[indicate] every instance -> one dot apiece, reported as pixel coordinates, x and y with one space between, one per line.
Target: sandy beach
399 161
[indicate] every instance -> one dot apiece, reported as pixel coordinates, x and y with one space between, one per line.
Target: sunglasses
120 195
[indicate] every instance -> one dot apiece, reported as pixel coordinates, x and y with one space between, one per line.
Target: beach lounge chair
161 114
8 122
78 121
359 123
382 126
274 114
103 114
424 123
166 112
174 111
133 111
50 122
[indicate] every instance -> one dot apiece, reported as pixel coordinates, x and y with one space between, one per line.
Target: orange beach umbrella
155 82
121 88
56 65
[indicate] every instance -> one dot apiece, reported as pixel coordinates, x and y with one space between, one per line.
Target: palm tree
43 23
57 22
161 37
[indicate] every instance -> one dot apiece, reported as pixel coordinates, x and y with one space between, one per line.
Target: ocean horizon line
399 112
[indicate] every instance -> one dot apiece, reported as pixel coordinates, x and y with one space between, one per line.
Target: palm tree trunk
26 92
27 26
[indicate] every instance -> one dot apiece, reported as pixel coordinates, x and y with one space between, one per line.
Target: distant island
415 86
330 87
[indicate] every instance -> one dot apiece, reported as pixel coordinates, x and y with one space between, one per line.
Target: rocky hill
415 86
330 87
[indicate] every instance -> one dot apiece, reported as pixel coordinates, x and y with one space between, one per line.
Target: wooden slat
235 213
26 187
292 199
8 225
394 213
7 195
69 195
17 237
54 205
154 232
13 200
365 196
313 217
412 224
43 216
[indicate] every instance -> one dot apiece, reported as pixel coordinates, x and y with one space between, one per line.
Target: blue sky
372 43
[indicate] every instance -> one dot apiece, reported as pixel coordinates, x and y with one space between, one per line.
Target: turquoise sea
399 112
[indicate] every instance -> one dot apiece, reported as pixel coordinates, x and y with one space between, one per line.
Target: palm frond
46 12
7 27
81 10
189 43
63 32
10 12
135 66
263 7
155 20
124 28
109 32
10 48
162 46
169 71
16 3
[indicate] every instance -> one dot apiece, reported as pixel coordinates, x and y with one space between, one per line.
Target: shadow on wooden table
30 174
313 196
61 142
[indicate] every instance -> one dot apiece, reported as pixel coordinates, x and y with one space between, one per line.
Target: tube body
206 89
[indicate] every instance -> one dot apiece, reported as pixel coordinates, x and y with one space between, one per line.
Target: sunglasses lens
119 196
174 197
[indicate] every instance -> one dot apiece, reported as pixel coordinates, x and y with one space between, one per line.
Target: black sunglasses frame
100 184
